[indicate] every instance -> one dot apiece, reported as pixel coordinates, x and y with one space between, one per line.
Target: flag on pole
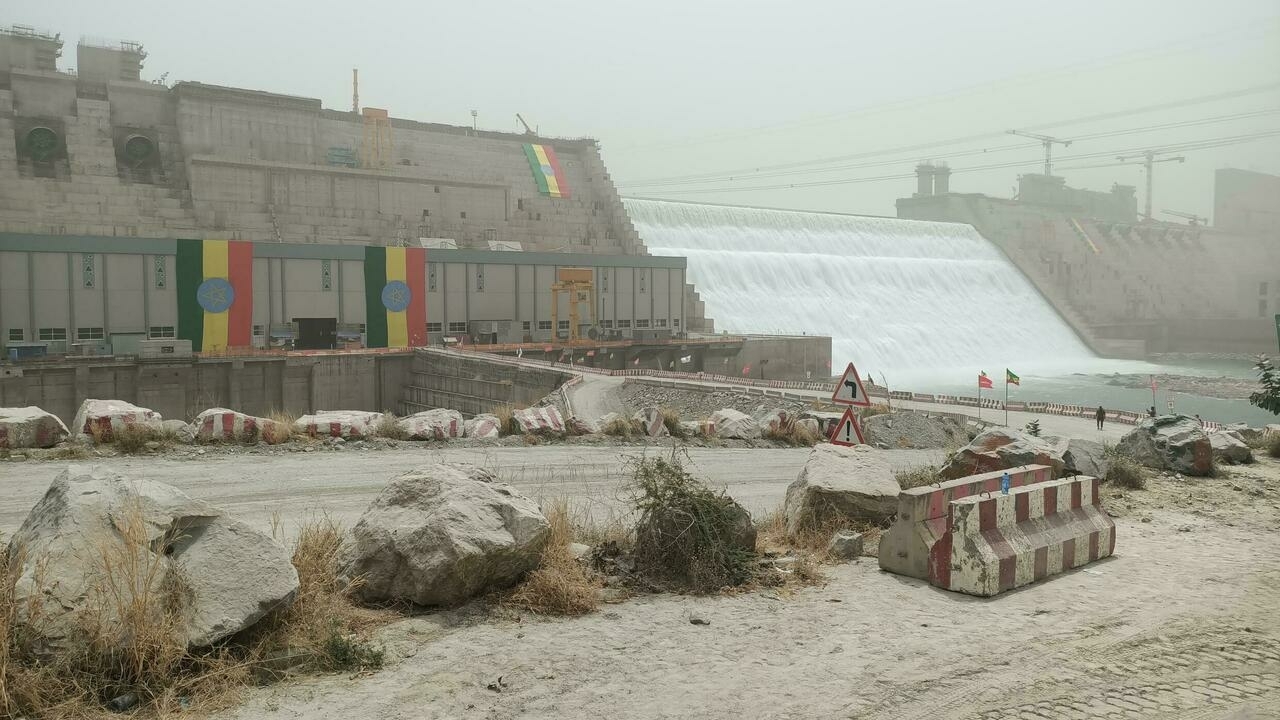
1153 383
746 370
983 380
1011 379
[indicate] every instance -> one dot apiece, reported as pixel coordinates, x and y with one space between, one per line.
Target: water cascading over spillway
894 295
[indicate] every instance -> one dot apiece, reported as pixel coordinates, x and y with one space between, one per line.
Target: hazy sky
727 90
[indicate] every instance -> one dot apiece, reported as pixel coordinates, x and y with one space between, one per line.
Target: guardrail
1123 417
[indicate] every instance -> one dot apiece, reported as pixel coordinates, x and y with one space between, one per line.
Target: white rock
839 483
30 427
1229 447
484 427
845 545
441 534
536 419
730 423
233 574
651 421
102 419
437 424
349 424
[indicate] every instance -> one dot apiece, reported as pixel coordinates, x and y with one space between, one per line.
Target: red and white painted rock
223 425
437 424
345 424
483 427
539 419
102 419
650 419
30 427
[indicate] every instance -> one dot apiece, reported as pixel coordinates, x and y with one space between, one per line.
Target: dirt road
1179 624
342 483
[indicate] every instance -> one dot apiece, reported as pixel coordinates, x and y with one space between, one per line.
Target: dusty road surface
254 487
1181 623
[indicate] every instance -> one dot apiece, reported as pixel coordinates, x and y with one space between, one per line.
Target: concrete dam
894 295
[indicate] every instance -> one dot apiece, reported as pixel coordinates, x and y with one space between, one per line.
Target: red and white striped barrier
484 427
102 419
997 542
651 420
30 427
346 424
437 424
537 419
223 425
906 548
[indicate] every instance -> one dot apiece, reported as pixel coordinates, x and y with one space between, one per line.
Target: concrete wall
1247 202
126 286
473 385
1121 283
180 390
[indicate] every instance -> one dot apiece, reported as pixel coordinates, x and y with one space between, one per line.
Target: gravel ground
697 405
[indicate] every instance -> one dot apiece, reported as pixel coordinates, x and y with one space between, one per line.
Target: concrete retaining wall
473 384
180 390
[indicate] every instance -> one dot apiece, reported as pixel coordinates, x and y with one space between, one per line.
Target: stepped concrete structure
1129 287
106 174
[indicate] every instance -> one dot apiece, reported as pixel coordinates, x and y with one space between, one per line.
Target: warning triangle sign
847 431
849 390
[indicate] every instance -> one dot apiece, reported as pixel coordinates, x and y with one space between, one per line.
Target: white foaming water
903 297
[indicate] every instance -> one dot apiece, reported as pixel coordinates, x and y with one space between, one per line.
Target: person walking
1101 416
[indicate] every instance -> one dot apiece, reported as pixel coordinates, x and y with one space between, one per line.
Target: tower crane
1149 159
1192 219
1048 143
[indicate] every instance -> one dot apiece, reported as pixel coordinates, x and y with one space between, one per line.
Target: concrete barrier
923 512
998 542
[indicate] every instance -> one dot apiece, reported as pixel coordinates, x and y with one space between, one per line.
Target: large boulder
1230 448
1170 442
1004 448
30 427
1085 457
97 540
652 422
730 423
223 425
441 534
102 419
1246 433
482 427
345 424
539 420
841 484
906 429
581 426
437 424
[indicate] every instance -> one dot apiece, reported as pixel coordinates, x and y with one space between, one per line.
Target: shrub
918 476
561 585
619 427
132 439
671 419
282 428
506 420
1032 428
389 427
793 434
687 535
1122 470
1268 395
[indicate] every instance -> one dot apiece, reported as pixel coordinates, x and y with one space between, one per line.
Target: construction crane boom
527 129
1193 218
1149 159
1048 143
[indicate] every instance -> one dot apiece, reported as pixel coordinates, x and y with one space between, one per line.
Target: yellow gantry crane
578 283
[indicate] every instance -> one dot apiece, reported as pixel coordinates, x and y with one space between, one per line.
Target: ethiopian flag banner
1011 379
215 293
546 171
395 296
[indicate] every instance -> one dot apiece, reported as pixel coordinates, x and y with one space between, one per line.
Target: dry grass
506 420
671 420
1122 470
619 427
562 585
70 451
793 434
918 477
283 429
133 439
132 642
389 427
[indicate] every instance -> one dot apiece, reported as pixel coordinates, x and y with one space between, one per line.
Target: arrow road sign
849 390
847 431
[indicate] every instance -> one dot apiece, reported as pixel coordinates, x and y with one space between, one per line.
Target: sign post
849 391
1278 329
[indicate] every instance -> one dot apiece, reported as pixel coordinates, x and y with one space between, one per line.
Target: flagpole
1006 397
979 397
